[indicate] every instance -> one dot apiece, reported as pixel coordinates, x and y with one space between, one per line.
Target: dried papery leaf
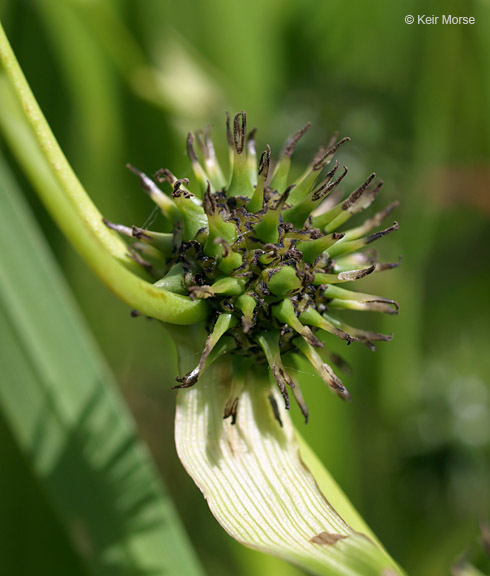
258 487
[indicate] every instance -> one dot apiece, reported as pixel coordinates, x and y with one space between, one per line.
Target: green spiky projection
266 255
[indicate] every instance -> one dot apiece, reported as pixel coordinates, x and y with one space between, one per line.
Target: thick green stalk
31 140
59 166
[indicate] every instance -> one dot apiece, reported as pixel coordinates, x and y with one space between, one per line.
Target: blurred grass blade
97 130
465 569
63 409
259 488
176 62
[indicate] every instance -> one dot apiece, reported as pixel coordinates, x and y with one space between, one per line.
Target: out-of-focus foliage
122 81
70 424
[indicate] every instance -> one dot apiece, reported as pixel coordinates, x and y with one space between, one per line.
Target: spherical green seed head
267 254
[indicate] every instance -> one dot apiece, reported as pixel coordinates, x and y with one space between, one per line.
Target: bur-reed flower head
269 256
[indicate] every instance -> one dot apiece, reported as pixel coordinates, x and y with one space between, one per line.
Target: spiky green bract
267 267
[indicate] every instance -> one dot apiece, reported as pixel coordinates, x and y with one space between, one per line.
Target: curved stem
31 140
54 156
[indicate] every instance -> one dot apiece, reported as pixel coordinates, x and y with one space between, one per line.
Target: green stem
54 156
31 140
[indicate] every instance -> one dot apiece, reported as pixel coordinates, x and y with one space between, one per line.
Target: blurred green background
123 81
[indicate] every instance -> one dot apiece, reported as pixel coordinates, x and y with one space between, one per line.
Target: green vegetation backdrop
123 81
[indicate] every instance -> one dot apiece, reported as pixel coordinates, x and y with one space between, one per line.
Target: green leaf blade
62 406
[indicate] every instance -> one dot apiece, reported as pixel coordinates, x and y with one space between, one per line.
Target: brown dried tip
376 337
327 187
229 135
275 409
139 233
380 234
324 156
380 216
145 182
374 190
138 259
291 143
358 192
282 378
384 305
311 338
231 409
177 191
339 179
340 390
265 162
319 192
209 202
134 170
331 173
284 197
345 336
380 267
188 380
225 247
333 381
109 224
350 275
239 131
300 401
164 175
